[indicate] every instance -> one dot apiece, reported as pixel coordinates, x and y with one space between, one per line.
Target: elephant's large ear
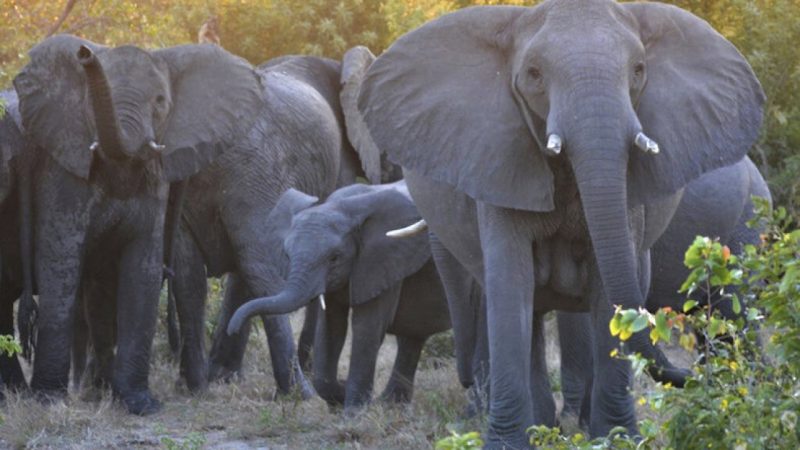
355 63
53 102
216 98
702 102
440 101
383 261
279 221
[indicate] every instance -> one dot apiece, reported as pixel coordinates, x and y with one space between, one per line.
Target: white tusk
554 144
156 147
408 231
95 145
645 143
322 301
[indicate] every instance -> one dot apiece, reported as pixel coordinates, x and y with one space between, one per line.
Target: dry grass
243 415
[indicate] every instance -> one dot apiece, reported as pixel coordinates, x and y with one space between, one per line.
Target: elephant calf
339 248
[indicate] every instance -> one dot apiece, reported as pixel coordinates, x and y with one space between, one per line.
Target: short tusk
554 144
156 147
411 230
95 145
322 301
645 143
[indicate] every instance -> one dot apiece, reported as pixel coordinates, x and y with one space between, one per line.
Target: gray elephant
13 150
718 204
300 141
115 126
571 125
339 248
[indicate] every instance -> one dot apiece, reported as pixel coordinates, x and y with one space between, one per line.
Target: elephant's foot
570 423
50 396
332 393
140 403
220 373
397 393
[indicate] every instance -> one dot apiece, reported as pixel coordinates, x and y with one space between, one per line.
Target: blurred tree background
767 32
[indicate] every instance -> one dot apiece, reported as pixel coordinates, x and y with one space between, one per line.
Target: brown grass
243 414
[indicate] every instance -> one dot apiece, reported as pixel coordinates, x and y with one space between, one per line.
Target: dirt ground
244 415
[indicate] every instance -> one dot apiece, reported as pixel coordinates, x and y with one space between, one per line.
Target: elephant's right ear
53 102
279 220
439 101
355 63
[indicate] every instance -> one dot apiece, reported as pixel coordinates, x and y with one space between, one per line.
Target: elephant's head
341 243
182 105
491 100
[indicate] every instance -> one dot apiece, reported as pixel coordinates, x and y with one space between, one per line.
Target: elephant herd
556 157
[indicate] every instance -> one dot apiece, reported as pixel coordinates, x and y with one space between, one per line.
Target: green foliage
194 441
9 345
741 394
467 441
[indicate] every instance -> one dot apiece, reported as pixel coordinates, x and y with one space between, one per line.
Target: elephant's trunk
599 148
113 142
297 292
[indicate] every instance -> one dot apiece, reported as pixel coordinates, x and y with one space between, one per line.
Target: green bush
743 393
9 345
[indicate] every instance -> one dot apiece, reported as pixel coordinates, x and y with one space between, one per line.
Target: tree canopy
767 32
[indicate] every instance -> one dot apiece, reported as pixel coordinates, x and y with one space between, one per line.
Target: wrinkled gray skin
299 141
465 104
103 206
12 146
339 248
717 205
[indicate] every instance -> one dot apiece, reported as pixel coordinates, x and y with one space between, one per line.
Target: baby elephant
339 248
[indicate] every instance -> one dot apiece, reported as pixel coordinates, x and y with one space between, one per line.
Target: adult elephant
526 129
339 249
13 150
299 141
718 205
115 126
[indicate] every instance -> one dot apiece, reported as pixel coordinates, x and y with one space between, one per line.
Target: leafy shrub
9 345
742 394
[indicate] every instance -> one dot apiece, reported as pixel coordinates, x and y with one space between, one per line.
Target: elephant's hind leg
400 387
189 284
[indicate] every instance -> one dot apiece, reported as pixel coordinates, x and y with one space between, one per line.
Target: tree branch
64 14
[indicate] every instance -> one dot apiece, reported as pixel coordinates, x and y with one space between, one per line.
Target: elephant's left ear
702 103
382 261
12 141
216 97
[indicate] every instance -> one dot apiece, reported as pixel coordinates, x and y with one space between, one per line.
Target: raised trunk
297 292
113 141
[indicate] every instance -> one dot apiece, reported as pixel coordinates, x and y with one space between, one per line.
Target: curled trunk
113 142
296 294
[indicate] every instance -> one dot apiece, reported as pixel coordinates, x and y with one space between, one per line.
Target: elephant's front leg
509 282
227 352
61 224
139 286
611 402
575 340
10 369
544 407
190 289
329 337
370 322
400 387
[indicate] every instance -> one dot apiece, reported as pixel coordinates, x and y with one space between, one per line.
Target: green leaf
689 305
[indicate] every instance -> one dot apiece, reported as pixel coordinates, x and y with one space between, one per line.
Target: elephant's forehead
319 220
130 63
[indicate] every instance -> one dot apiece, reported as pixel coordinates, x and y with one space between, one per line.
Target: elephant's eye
534 73
160 99
638 70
